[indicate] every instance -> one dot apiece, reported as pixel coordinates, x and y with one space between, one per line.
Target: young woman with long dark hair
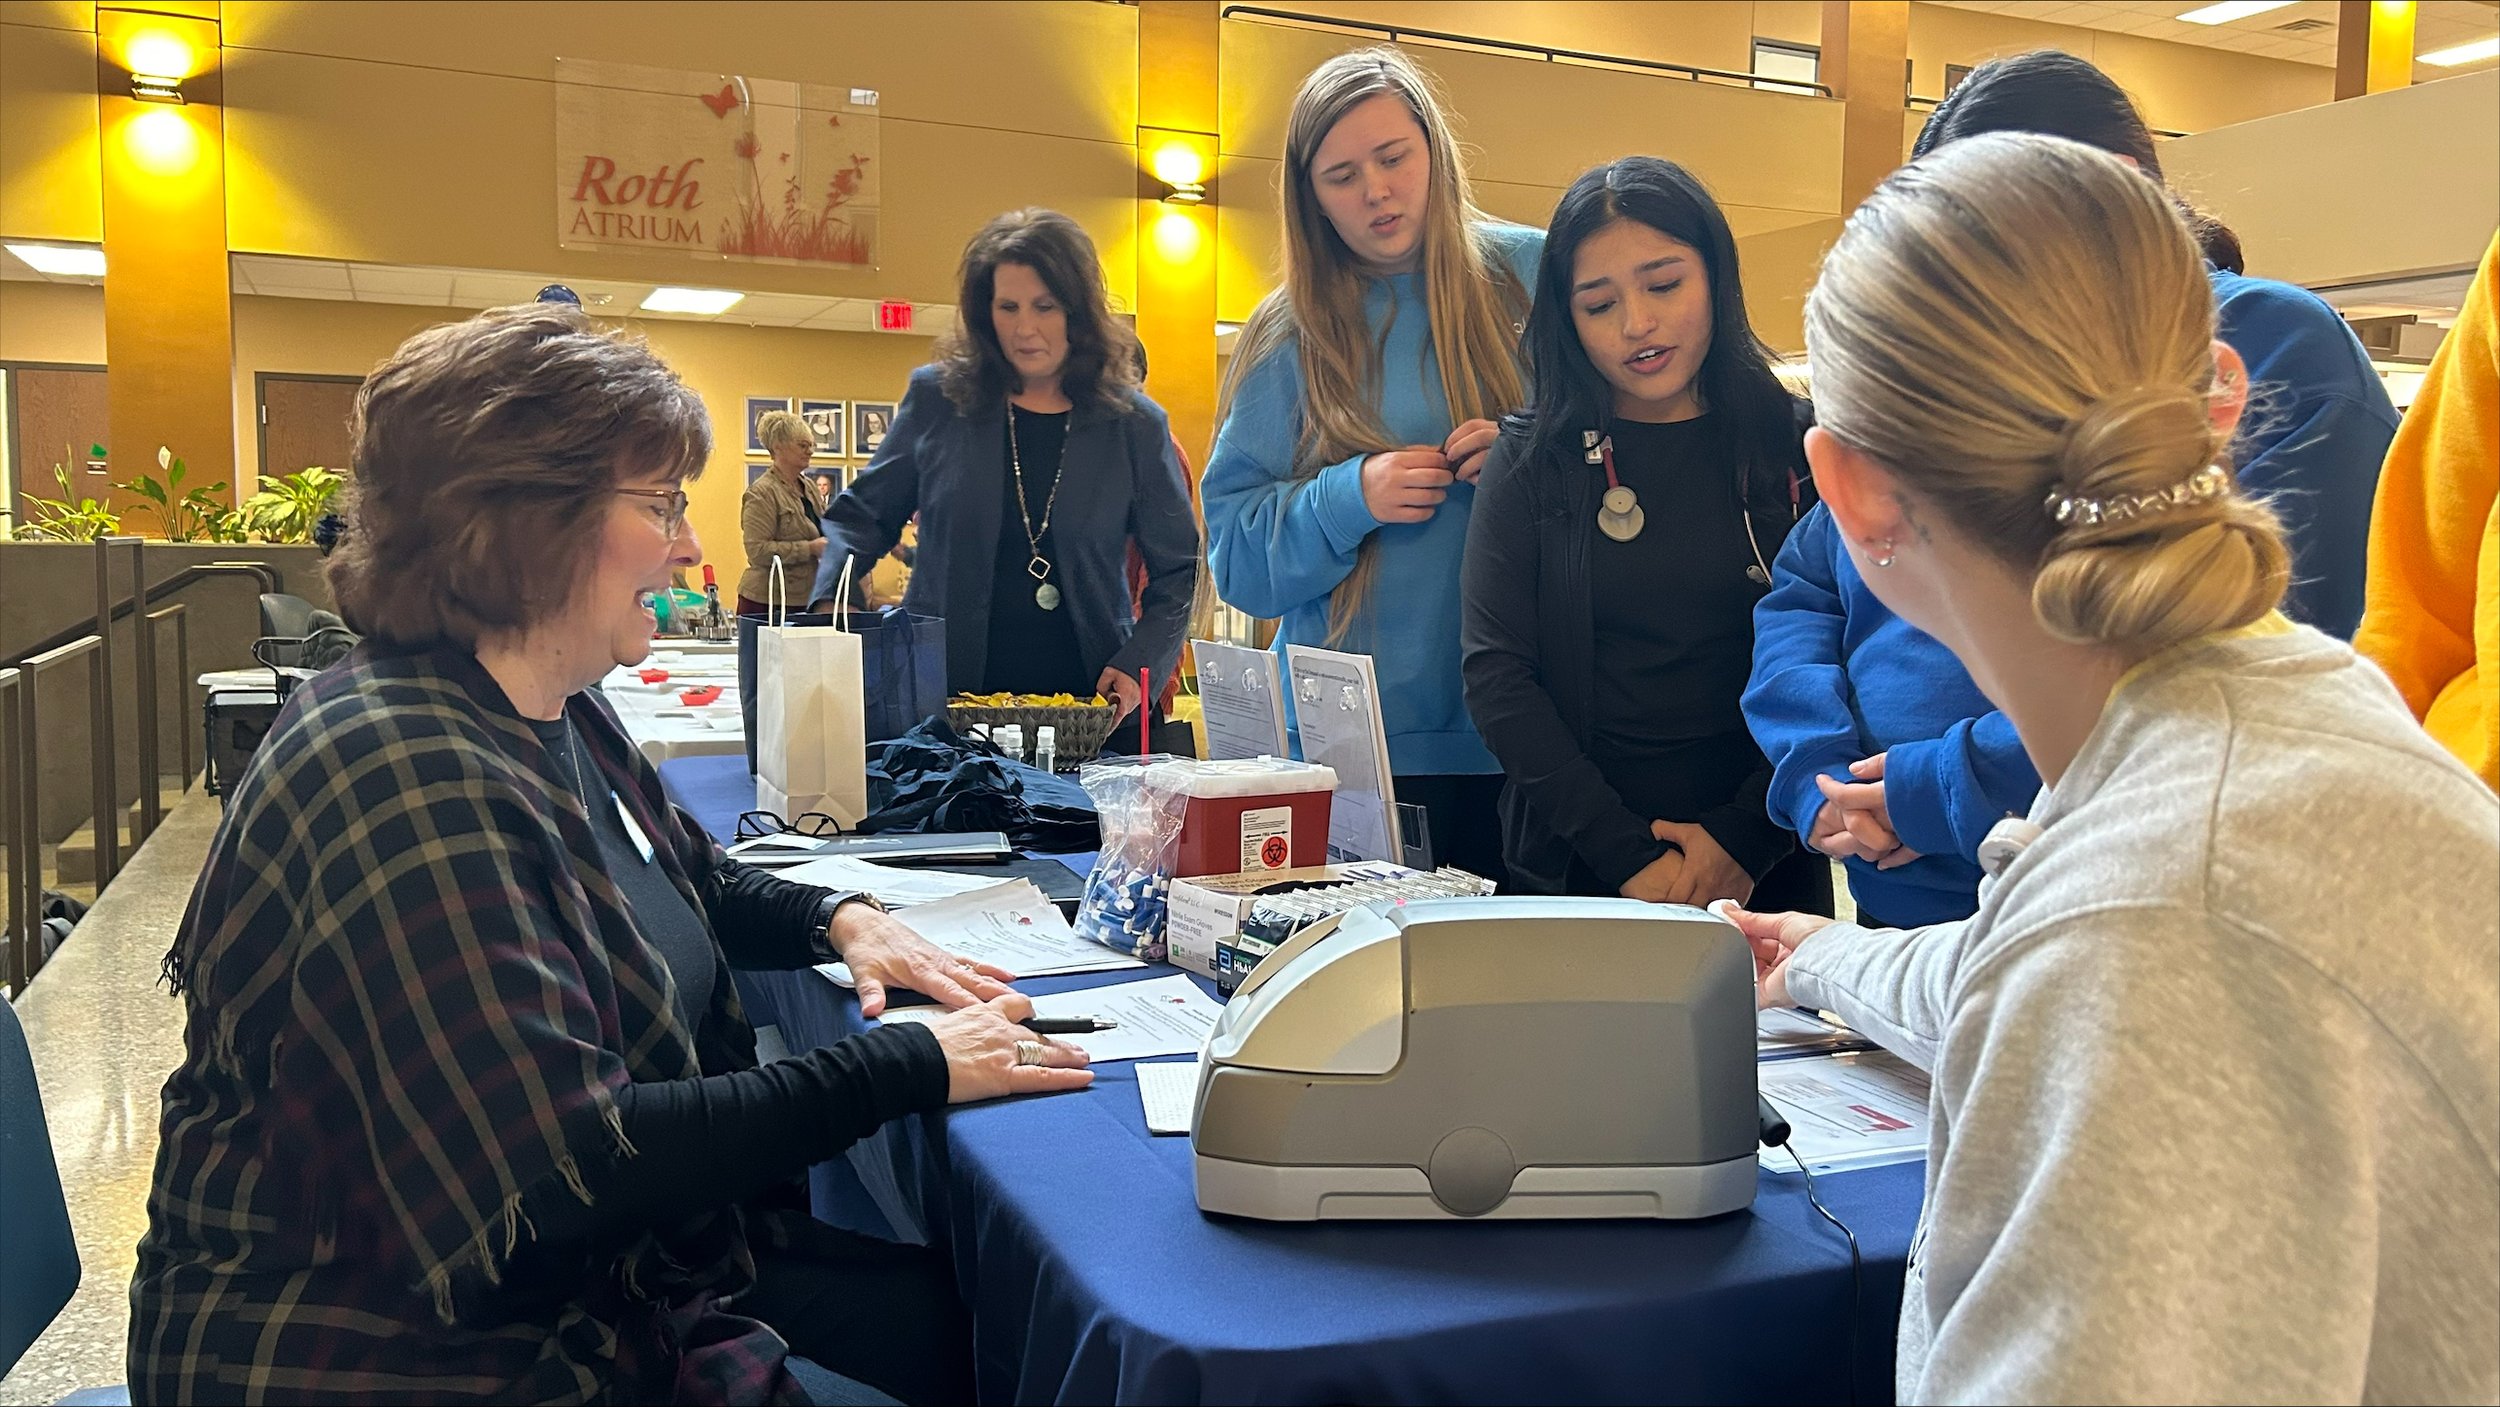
1625 528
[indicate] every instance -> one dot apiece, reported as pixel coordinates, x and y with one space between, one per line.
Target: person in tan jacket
781 516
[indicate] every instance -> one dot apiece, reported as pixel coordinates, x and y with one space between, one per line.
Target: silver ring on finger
1032 1053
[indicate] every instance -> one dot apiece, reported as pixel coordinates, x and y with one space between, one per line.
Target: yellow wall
425 134
723 364
2179 87
51 322
51 184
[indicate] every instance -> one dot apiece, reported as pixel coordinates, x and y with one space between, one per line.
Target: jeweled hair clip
2077 511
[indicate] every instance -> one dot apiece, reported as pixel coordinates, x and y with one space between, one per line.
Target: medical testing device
1486 1058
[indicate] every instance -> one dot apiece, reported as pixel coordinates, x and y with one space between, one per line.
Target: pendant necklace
1619 513
1045 591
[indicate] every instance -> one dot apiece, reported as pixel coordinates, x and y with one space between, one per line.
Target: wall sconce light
149 88
1182 174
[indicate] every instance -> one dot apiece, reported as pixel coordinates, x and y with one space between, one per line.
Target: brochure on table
1854 1110
1241 692
1337 706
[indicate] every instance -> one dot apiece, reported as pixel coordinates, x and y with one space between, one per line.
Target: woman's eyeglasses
672 517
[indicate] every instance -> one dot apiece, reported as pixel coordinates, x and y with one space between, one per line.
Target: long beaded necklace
1045 591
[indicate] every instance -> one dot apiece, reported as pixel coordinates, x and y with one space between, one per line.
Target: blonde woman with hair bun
2217 1062
1356 415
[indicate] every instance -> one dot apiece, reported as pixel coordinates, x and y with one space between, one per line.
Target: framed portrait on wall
829 422
756 406
756 470
827 479
869 422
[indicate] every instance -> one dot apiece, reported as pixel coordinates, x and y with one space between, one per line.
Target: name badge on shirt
642 843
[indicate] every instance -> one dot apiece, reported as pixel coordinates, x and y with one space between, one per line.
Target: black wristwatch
824 918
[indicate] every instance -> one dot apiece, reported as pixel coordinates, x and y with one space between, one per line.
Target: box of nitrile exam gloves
1220 926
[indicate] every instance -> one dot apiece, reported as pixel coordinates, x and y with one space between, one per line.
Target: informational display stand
1242 693
1337 710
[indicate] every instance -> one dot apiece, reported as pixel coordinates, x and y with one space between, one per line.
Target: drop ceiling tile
426 287
326 295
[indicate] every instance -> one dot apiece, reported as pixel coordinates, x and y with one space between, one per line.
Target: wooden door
56 410
304 421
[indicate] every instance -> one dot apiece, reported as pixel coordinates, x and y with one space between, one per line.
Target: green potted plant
286 507
185 516
71 517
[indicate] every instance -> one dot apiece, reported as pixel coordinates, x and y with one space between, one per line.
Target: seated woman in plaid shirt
469 1110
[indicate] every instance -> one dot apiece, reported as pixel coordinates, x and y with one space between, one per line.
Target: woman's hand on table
1774 939
882 953
981 1053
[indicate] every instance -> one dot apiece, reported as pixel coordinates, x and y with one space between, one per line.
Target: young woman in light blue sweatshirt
1361 400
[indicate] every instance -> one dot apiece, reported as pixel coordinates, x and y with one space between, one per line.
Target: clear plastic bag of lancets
1126 896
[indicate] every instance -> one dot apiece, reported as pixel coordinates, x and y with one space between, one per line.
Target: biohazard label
1267 838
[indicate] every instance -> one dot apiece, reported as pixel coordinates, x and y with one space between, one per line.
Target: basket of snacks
1079 727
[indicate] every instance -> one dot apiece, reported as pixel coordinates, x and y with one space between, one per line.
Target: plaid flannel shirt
412 994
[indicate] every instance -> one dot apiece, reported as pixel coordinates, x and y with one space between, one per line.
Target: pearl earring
1885 554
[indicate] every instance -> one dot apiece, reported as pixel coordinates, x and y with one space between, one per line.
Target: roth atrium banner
714 165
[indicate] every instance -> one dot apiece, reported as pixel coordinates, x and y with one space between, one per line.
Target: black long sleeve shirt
1607 677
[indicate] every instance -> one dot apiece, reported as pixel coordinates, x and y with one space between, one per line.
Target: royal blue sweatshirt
2317 429
1279 546
1838 677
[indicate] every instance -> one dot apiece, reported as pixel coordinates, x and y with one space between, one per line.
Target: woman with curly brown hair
469 1109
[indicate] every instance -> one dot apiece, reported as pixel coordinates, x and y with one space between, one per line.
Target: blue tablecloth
1094 1278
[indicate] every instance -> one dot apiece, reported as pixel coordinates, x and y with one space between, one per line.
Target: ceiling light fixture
2230 10
704 302
2473 53
64 261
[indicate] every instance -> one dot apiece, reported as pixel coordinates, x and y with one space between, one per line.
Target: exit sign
894 317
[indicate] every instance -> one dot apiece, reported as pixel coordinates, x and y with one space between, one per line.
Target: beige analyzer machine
1496 1057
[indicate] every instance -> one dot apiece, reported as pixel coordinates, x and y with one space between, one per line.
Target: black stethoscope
1620 518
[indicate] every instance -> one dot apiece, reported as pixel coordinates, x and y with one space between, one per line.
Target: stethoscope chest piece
1619 514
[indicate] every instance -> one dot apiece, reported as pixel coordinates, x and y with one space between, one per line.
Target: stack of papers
1784 1033
1159 1016
1012 926
892 886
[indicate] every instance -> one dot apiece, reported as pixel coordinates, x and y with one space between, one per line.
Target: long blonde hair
1471 295
2020 318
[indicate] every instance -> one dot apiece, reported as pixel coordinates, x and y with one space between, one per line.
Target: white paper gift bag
811 742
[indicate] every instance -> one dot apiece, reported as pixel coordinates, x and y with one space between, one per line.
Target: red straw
1145 691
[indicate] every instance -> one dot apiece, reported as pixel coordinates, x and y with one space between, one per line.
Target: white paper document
1159 1016
1336 709
1856 1110
1241 693
1012 925
893 886
1169 1090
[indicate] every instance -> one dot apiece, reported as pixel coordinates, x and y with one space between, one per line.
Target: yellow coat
2433 614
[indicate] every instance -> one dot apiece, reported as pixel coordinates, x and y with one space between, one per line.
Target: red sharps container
1260 813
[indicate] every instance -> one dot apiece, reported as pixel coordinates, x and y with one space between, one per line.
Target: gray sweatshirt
2217 1062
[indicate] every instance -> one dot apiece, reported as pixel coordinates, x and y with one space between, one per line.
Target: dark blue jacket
1838 677
1120 480
2318 426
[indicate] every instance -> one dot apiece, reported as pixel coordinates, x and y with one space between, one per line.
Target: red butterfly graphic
833 121
722 102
